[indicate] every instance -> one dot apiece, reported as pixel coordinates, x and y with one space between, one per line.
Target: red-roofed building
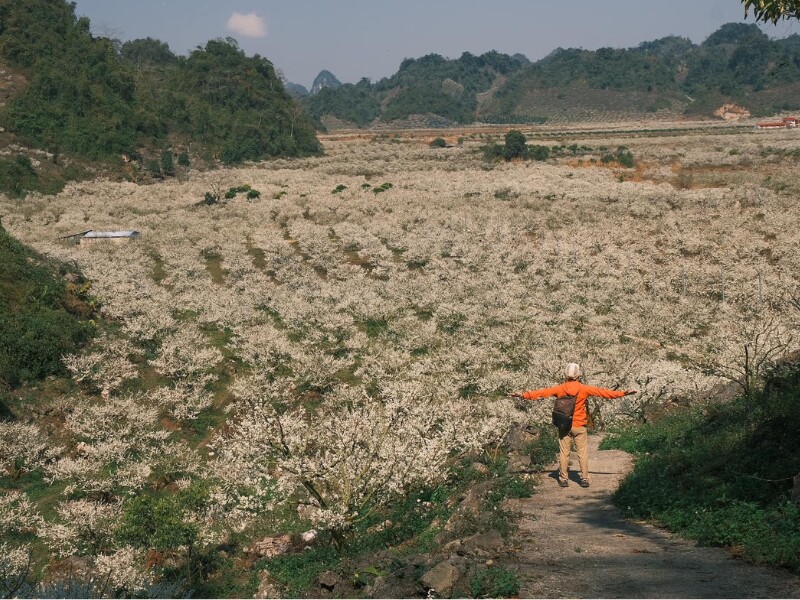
782 124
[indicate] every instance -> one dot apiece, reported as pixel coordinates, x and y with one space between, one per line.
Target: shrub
492 152
438 143
253 194
339 189
515 145
17 176
154 167
183 159
382 188
539 152
167 163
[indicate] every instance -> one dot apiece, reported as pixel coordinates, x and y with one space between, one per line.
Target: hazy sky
369 38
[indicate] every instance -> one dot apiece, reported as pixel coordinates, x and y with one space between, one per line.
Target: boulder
329 580
309 536
271 547
267 586
480 468
441 579
518 463
518 437
482 544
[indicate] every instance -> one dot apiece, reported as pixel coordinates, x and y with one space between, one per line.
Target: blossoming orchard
325 348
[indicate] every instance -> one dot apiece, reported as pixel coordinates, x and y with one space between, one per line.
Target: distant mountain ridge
668 77
325 79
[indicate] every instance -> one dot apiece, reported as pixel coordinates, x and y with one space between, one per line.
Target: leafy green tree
167 163
147 51
772 10
515 145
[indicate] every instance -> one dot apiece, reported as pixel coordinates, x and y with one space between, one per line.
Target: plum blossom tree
354 454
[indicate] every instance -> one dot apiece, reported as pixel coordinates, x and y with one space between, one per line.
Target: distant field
617 267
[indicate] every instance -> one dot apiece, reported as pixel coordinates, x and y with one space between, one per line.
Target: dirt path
573 542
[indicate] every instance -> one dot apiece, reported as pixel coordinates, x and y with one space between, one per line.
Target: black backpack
563 409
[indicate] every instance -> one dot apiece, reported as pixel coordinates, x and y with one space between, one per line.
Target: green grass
38 320
721 473
494 582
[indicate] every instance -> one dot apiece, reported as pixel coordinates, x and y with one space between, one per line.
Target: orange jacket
577 389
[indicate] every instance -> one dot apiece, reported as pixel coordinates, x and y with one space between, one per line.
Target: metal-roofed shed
109 236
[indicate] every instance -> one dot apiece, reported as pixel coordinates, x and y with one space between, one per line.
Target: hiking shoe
584 483
563 482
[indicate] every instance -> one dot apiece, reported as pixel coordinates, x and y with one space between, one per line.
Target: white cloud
249 25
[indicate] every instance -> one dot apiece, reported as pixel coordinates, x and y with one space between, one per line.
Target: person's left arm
606 393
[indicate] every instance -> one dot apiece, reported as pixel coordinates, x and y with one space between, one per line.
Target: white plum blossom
124 570
24 447
351 343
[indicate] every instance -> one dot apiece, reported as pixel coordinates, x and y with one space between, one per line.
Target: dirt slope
573 542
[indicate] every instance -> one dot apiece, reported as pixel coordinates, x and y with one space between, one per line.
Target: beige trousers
565 437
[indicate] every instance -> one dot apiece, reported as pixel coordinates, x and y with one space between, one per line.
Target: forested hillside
431 84
737 63
96 99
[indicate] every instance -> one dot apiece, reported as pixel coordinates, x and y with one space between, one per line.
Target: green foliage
438 142
234 104
772 11
36 325
356 103
722 473
231 193
17 176
492 152
733 63
154 167
80 95
382 188
430 84
167 163
515 145
494 582
621 155
159 522
86 97
298 572
339 189
183 159
147 52
537 152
